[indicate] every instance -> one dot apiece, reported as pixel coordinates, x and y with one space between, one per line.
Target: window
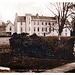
21 21
10 33
10 28
38 29
49 23
34 28
46 23
46 29
53 23
49 29
42 23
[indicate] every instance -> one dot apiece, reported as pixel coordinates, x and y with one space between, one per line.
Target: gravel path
62 69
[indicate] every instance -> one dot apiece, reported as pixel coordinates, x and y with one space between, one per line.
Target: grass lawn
28 63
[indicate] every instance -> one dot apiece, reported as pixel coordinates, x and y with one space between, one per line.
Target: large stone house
41 25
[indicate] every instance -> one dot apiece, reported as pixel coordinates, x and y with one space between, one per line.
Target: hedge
38 47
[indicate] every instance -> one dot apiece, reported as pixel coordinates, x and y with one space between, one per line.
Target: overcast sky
8 8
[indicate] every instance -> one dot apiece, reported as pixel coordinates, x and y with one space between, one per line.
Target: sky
8 8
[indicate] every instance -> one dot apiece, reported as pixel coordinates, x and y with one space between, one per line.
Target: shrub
31 46
64 50
38 47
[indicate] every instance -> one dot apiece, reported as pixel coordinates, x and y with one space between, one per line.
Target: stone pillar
28 23
15 23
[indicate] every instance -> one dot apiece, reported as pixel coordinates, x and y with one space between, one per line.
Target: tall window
49 29
53 23
42 23
10 28
34 28
38 29
46 23
49 23
46 29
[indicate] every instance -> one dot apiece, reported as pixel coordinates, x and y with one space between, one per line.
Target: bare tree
64 10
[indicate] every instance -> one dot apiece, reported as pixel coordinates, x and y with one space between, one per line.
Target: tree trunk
59 37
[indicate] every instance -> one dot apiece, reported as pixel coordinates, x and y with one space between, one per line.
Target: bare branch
50 10
70 14
55 7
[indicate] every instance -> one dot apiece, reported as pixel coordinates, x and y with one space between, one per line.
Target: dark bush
39 47
64 50
31 46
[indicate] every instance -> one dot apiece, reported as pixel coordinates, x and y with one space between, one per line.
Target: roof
21 18
42 17
9 22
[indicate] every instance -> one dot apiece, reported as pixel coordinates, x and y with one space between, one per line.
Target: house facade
67 29
9 28
41 25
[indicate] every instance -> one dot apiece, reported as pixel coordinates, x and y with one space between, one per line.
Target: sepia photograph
37 36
